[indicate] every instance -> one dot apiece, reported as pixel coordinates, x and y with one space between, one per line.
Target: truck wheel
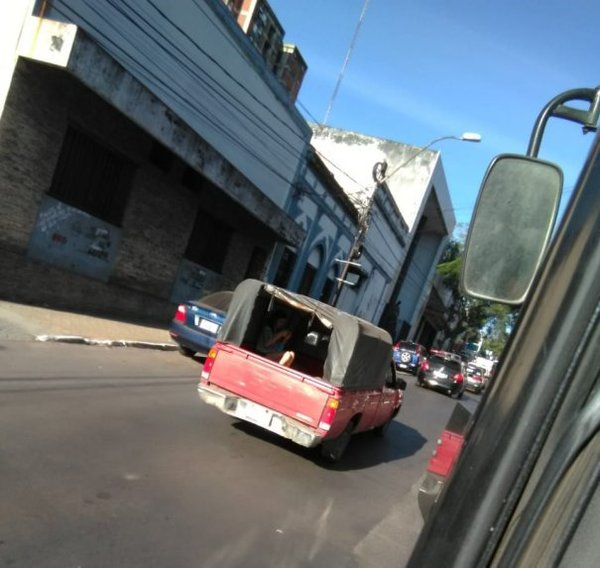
333 450
382 430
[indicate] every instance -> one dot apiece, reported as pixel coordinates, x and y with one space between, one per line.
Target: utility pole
379 170
380 176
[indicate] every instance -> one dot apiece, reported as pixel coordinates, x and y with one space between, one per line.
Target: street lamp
380 176
464 137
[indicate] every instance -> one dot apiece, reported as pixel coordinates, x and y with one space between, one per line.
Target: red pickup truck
342 380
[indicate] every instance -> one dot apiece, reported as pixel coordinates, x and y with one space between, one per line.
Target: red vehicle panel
252 377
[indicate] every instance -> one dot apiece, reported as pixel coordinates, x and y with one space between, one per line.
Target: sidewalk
23 322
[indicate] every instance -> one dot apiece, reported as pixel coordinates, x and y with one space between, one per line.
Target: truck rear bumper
262 416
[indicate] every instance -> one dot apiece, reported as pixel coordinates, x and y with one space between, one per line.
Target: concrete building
417 184
147 154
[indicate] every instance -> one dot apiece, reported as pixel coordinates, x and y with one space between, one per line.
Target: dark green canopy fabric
359 353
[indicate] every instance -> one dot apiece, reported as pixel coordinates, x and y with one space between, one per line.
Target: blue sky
430 68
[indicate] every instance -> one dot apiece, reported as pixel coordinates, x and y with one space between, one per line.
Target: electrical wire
307 111
162 86
197 72
224 70
218 125
115 50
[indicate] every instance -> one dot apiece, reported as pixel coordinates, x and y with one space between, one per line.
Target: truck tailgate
279 388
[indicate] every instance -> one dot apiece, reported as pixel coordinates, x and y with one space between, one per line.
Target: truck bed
250 387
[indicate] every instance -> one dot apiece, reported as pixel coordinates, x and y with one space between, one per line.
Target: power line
194 71
213 121
307 111
211 118
241 109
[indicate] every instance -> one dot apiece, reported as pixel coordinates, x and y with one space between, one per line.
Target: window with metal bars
92 178
209 242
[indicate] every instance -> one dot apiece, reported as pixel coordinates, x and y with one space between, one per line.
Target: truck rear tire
382 430
333 450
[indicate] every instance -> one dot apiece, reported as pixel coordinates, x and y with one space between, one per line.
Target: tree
469 318
500 323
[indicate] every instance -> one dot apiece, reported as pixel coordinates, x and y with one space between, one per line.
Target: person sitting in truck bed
273 339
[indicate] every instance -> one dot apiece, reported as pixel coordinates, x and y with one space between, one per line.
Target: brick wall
29 282
27 128
156 228
42 103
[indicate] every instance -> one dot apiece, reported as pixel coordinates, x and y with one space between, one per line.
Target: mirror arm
556 107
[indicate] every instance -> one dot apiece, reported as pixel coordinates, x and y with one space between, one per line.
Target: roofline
335 188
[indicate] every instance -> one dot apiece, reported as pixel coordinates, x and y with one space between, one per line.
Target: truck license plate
254 413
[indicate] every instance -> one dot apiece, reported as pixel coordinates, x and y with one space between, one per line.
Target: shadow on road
365 449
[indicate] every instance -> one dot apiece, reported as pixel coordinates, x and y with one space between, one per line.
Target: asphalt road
108 458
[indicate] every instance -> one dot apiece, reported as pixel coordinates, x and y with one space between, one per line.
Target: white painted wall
13 16
414 174
424 298
413 171
195 59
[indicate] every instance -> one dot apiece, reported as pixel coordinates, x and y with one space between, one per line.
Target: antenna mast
346 60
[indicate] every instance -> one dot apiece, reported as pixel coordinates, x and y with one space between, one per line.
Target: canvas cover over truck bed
358 353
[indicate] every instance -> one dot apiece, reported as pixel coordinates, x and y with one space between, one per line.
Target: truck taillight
180 313
458 378
208 364
445 455
425 365
329 413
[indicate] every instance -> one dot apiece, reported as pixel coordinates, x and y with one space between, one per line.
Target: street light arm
380 176
466 137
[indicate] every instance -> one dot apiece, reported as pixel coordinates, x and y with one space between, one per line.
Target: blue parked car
196 323
409 356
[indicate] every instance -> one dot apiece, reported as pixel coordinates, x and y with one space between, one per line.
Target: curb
78 339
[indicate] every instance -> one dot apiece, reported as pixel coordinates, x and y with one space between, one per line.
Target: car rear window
451 364
408 346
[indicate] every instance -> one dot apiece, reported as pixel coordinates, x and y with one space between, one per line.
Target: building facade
329 219
147 154
151 153
332 221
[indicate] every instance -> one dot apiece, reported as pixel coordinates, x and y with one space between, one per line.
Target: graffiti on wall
72 239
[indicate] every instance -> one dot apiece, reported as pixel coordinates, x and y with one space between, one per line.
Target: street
108 458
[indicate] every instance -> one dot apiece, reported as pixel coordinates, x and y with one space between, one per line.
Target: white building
418 186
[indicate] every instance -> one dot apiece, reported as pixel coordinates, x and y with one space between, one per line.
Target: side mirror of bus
511 227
